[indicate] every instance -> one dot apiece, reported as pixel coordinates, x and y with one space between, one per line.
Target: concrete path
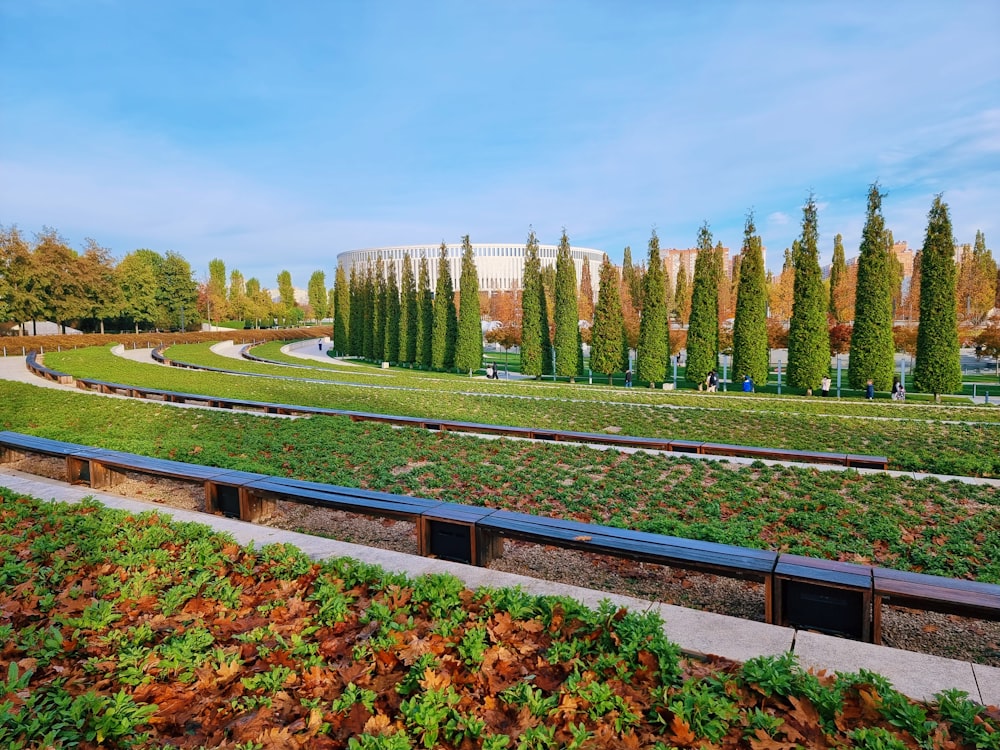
918 675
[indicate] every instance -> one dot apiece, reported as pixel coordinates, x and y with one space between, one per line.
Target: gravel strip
949 636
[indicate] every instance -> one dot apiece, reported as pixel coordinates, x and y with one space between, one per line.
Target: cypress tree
609 325
750 350
381 310
654 335
808 332
567 316
368 317
443 342
407 313
425 316
586 300
469 347
356 337
838 277
533 332
682 293
872 347
632 278
703 329
938 369
393 313
341 312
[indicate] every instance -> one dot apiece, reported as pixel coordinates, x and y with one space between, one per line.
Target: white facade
500 266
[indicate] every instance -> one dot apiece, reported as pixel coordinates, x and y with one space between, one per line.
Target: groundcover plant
123 630
944 528
952 443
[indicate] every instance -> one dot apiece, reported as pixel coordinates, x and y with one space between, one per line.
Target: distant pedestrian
321 344
489 371
901 393
895 389
747 384
628 378
713 381
824 386
870 390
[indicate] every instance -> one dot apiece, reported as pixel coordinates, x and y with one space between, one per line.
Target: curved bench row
843 599
852 460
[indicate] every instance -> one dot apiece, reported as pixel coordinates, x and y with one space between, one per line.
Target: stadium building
500 266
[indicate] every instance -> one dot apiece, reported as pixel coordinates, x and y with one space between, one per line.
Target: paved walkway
917 675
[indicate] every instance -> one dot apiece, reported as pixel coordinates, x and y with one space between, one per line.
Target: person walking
747 384
895 389
824 386
628 378
870 390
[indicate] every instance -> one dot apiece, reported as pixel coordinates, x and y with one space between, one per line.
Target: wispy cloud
278 139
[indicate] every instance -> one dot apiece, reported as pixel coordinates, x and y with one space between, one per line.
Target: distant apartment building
674 259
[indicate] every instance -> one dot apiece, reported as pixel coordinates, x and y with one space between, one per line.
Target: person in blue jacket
747 384
870 390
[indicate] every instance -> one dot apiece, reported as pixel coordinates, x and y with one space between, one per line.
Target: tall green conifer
703 329
356 315
407 313
838 277
341 312
469 347
533 333
392 316
609 325
750 350
808 332
425 315
381 310
368 318
653 351
445 316
567 317
938 368
872 347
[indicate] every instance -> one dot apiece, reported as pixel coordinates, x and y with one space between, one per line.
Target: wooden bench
706 557
824 595
953 596
225 491
37 368
349 499
15 446
100 468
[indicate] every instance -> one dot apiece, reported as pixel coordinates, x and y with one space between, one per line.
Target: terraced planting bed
125 630
947 440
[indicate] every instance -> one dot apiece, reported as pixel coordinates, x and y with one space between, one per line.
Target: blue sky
274 135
